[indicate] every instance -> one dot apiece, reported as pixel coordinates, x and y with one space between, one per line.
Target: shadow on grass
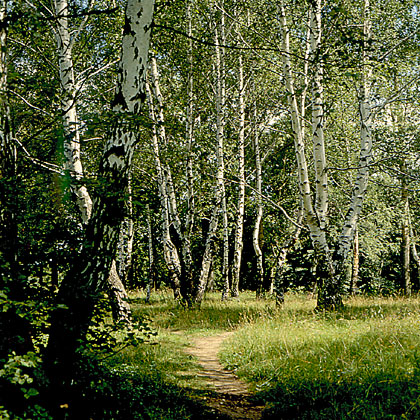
382 398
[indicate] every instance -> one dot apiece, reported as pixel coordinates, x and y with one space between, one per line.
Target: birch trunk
220 39
405 233
125 243
365 158
355 266
257 228
79 289
170 251
71 147
237 256
220 193
151 280
321 181
317 234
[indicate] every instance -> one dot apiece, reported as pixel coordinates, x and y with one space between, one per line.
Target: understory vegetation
362 362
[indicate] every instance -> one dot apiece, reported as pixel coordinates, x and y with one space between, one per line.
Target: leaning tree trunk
71 146
239 231
81 286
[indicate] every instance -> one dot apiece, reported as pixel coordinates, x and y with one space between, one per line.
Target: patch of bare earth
231 398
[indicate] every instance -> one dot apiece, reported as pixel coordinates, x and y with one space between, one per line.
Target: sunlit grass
362 362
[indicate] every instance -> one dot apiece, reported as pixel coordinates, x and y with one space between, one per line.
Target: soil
231 398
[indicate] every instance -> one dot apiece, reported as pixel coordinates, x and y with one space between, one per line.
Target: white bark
365 158
317 234
237 256
258 220
170 252
321 181
150 282
220 39
71 146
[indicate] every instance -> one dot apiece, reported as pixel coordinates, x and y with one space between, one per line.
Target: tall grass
360 363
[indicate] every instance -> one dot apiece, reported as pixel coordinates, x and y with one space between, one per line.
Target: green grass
360 363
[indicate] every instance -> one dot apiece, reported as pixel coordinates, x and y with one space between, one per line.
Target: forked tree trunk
88 275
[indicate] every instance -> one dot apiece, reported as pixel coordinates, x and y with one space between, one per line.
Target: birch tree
79 290
72 154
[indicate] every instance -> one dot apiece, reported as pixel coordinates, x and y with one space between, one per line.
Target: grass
360 363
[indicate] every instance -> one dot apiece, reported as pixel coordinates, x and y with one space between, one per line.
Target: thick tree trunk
71 146
239 230
79 289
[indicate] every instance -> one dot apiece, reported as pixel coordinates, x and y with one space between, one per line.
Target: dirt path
231 398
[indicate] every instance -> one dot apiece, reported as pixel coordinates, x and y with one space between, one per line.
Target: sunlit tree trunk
80 288
71 146
220 41
329 295
365 157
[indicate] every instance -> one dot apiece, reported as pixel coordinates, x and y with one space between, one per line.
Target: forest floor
231 398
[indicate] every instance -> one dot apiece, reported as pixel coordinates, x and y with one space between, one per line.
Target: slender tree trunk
71 146
151 280
329 294
256 235
355 266
220 39
237 256
405 228
365 158
79 289
170 251
125 243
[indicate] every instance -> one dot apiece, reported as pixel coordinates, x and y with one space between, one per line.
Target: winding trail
231 398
